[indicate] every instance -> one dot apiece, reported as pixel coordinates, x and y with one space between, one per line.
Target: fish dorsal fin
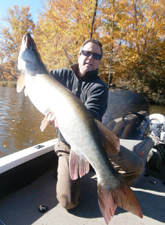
78 166
111 141
20 83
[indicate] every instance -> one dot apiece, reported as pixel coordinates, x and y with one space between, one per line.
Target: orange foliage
131 32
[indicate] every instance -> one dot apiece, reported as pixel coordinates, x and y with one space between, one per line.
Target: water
157 109
20 122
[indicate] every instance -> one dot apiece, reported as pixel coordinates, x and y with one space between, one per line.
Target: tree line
131 32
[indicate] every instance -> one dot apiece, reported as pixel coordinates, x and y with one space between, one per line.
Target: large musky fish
79 128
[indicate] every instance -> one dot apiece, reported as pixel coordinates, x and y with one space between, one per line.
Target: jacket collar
90 75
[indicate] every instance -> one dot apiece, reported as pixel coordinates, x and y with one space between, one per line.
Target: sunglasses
94 55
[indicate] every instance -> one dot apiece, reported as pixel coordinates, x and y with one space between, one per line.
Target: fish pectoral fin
44 124
20 83
122 196
78 166
111 141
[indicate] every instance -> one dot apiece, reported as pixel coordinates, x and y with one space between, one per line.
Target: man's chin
88 69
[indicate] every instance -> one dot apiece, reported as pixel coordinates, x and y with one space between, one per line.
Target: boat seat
131 126
140 147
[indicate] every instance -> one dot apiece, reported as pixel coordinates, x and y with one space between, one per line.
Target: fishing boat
28 177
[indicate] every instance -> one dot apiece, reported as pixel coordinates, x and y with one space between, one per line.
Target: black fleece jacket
91 90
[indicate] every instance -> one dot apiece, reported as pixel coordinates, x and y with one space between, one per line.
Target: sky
35 7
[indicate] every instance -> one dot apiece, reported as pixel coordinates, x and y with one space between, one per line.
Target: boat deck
20 207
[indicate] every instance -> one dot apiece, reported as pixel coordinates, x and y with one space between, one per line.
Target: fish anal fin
78 167
20 83
122 196
111 141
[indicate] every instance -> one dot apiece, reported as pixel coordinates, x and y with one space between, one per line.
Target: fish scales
80 121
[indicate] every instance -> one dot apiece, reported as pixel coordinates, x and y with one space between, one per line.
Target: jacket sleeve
57 74
64 76
96 101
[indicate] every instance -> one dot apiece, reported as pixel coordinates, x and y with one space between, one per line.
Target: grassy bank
7 83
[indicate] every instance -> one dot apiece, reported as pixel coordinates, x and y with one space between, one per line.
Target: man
83 81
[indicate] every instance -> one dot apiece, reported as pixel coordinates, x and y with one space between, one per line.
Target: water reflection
19 122
157 109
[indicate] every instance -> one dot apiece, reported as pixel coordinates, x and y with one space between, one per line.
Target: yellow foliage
127 29
62 29
20 22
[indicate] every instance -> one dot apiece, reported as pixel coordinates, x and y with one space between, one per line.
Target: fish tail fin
106 203
122 196
126 199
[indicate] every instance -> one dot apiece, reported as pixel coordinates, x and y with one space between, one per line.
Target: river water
20 122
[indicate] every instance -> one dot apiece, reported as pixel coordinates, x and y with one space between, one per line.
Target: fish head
29 59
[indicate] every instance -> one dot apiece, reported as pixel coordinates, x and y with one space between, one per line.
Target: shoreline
8 83
14 83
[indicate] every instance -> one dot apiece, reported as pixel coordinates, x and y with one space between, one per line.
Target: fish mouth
28 41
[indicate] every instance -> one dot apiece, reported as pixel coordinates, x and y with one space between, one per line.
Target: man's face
88 63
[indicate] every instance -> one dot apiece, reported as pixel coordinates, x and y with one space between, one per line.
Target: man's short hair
92 41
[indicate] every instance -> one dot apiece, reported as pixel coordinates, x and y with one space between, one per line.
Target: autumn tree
61 30
110 36
132 34
19 22
147 70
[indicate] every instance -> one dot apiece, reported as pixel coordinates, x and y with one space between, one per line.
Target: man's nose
91 56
